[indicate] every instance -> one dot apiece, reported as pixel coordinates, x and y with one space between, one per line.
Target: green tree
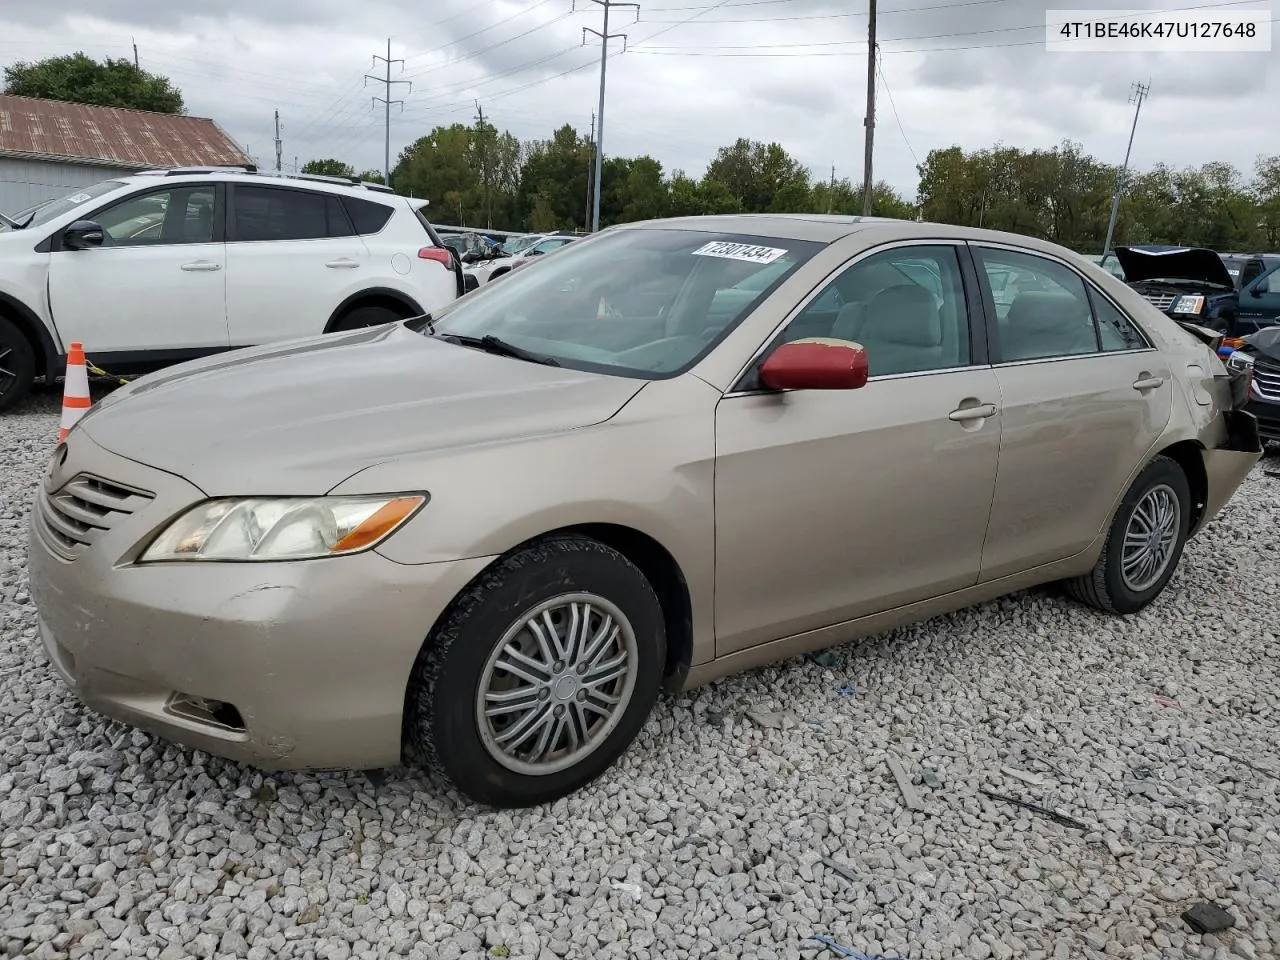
329 168
77 78
755 172
437 164
553 178
371 176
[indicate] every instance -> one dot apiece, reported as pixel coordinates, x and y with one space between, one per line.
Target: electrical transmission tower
605 36
387 102
1140 91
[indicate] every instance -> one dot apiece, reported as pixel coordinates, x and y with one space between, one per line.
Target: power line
889 93
386 102
824 16
605 36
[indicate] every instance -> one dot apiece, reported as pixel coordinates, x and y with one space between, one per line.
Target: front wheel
1144 543
17 365
540 675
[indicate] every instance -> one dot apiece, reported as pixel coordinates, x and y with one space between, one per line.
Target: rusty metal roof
55 130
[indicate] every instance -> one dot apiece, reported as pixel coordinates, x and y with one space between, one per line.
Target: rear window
270 213
368 217
646 303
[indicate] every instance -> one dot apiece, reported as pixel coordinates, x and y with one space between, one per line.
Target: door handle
981 412
1148 383
342 262
201 265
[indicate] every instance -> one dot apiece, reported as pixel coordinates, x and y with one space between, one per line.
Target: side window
269 213
178 215
368 217
1270 283
1115 330
1042 311
905 306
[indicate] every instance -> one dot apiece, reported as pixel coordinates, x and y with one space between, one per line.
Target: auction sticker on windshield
739 251
79 198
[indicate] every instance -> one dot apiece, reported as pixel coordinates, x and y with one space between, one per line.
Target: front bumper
312 657
1268 415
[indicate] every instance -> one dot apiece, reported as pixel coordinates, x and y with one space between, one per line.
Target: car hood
1266 342
1176 263
301 417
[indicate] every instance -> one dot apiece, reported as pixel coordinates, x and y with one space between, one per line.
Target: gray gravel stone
706 839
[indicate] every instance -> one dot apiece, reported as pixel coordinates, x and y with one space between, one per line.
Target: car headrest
906 314
1042 310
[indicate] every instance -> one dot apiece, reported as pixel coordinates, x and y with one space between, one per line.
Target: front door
1084 399
157 283
292 258
1260 303
832 505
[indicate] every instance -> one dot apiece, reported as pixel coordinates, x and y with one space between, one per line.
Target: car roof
306 181
828 228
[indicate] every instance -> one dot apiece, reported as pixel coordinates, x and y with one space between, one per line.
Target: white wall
24 183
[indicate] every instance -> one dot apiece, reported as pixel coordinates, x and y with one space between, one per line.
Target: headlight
281 528
1239 360
1191 305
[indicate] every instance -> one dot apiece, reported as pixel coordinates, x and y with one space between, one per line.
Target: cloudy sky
696 75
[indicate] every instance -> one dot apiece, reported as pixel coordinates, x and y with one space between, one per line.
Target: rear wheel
366 317
1144 543
17 365
540 675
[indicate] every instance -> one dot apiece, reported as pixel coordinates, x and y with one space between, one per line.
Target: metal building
49 147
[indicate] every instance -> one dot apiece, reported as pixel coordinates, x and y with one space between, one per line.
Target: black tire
442 729
1104 587
366 317
17 365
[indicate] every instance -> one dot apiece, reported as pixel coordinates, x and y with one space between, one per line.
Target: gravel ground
719 834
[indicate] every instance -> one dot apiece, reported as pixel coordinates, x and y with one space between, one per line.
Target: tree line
475 175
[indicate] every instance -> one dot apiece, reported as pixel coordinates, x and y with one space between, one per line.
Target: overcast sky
696 75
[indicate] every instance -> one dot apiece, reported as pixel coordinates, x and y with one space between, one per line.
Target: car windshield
52 209
637 302
516 244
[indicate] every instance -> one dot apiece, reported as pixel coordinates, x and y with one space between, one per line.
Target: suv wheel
366 317
17 365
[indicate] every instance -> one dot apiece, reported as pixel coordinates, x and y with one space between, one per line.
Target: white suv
169 265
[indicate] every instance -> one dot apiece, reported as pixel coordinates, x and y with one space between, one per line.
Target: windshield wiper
12 223
496 345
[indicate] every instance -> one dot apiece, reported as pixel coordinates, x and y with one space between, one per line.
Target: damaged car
485 541
1258 356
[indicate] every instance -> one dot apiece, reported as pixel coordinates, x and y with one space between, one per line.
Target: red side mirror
815 365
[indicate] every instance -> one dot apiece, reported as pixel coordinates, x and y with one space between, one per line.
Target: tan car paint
726 486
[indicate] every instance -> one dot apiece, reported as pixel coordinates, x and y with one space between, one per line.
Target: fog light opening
214 713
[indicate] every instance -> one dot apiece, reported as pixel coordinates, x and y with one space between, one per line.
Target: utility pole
870 120
1139 94
483 144
278 143
387 102
831 191
135 54
590 167
605 36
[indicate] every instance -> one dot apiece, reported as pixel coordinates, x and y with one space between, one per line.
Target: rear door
292 257
1084 397
1260 303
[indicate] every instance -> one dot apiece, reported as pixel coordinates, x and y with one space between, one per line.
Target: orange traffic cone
75 392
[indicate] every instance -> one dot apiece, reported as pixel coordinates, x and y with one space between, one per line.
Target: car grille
1266 379
1161 301
75 516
